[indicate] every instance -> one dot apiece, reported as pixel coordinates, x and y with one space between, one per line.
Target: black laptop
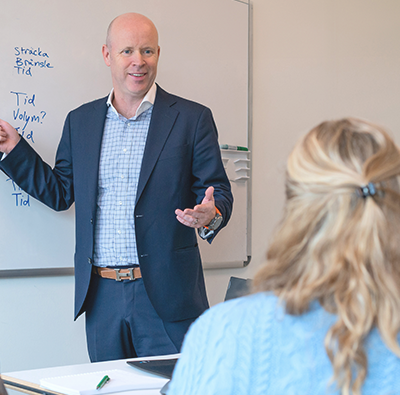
160 367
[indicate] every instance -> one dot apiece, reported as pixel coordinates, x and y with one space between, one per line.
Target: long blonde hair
338 245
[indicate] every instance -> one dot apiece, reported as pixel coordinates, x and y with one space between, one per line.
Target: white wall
313 60
36 324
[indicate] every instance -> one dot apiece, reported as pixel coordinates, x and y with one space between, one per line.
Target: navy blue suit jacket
181 159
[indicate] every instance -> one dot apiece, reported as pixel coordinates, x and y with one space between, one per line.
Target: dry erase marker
103 382
233 147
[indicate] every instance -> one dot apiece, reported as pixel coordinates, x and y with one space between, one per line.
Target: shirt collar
144 105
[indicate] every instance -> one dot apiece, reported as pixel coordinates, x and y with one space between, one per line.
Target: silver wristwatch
207 231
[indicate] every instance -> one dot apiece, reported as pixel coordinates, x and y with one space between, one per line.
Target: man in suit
144 170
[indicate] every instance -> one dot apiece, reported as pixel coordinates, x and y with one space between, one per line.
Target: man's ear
106 55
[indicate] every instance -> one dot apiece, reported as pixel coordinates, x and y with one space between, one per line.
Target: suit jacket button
89 260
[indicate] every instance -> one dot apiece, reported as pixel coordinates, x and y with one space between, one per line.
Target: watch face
215 222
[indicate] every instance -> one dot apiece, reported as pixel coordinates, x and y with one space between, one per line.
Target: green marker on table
233 147
103 382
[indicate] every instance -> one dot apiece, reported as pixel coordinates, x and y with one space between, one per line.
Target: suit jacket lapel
95 128
161 124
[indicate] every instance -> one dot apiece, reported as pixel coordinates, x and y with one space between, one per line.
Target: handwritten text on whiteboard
27 59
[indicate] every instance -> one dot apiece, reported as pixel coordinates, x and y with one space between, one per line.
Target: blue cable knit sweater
250 346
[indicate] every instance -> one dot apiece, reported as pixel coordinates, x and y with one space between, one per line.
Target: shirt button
119 232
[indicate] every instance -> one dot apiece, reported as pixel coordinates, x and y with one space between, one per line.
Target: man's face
132 53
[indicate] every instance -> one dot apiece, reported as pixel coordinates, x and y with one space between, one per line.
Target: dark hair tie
367 190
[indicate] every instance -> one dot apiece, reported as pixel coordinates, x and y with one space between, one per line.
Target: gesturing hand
200 215
9 137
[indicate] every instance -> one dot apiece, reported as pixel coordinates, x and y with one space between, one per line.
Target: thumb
209 196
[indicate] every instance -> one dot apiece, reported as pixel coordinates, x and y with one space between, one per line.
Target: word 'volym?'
24 117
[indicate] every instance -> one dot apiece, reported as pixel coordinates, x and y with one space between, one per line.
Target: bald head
131 51
128 20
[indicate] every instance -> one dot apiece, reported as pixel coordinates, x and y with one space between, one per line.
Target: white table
27 381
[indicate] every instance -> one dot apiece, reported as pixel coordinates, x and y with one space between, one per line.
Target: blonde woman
326 317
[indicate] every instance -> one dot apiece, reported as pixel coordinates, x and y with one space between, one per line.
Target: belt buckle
124 276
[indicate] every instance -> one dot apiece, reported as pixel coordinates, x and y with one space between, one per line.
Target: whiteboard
52 63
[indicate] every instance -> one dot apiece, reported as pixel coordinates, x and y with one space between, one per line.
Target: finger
189 214
209 195
3 124
192 222
192 218
3 134
186 215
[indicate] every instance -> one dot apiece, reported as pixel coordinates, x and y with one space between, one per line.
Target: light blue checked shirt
120 163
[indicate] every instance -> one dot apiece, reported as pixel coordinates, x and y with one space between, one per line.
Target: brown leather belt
116 274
